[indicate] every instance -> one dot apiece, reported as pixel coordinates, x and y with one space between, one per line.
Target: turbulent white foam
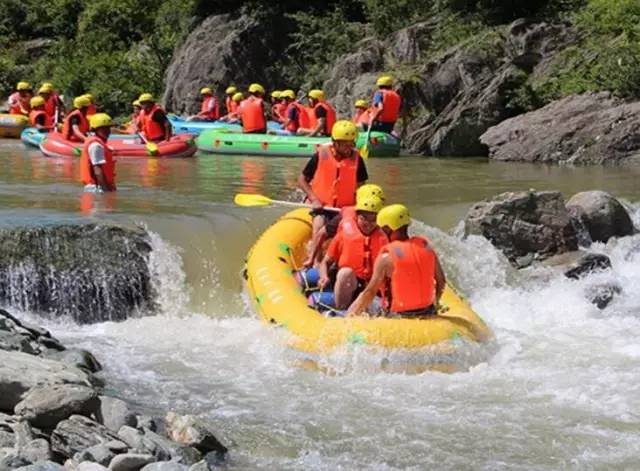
559 388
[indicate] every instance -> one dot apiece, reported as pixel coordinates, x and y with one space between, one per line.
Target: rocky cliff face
223 50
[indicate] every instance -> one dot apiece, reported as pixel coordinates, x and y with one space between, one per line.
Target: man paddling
407 267
97 167
322 116
76 124
153 119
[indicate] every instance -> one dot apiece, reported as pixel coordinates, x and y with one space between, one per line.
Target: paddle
152 147
249 200
364 150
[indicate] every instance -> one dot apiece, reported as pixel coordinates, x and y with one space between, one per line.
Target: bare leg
346 284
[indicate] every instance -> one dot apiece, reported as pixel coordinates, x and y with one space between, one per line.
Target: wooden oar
249 200
152 147
364 150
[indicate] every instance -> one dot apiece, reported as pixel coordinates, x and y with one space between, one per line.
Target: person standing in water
97 167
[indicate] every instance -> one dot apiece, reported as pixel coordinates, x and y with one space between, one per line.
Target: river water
559 388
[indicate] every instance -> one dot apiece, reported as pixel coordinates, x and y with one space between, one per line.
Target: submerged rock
589 263
190 431
602 215
592 128
525 226
602 294
89 273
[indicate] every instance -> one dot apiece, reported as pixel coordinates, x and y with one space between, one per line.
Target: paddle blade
245 199
152 148
364 151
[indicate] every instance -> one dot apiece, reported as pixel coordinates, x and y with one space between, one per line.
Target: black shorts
325 213
382 127
415 314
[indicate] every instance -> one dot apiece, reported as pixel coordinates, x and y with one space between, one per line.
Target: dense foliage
117 48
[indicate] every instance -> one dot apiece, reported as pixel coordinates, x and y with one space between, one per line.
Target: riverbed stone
165 466
138 443
178 452
191 431
130 462
114 413
36 450
100 454
525 226
88 272
45 406
20 372
602 294
87 466
77 357
77 433
602 214
42 466
587 264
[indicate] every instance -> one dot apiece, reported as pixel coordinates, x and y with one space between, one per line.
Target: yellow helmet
23 86
89 97
135 102
100 120
276 94
256 88
384 81
288 94
231 90
145 97
344 130
361 104
81 102
48 85
237 96
394 216
206 91
370 190
316 94
370 204
44 89
36 101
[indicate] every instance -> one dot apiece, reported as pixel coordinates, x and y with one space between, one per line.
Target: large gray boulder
77 433
21 372
591 128
115 413
44 407
525 226
602 214
223 50
89 273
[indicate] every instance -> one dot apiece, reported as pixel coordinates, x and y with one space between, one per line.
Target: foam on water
559 388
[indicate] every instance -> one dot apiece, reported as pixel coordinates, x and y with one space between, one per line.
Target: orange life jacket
294 125
390 106
67 130
252 114
358 251
153 131
413 280
278 112
361 117
19 105
206 104
329 120
87 175
228 104
91 109
335 182
306 117
35 114
51 106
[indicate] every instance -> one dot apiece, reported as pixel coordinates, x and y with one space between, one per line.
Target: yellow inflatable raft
279 300
11 125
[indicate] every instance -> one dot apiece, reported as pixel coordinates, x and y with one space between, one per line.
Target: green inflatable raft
225 142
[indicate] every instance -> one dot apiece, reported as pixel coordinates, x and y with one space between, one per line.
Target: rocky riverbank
54 414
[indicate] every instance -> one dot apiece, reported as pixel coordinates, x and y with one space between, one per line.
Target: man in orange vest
54 106
354 250
233 116
386 106
291 112
228 101
37 116
361 116
97 167
407 269
155 124
19 100
333 175
76 125
322 116
209 110
252 112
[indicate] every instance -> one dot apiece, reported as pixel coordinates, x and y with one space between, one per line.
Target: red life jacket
293 125
413 280
51 106
358 251
278 112
35 114
87 175
252 115
19 105
390 106
306 117
361 117
329 120
335 182
206 104
228 104
153 131
91 109
67 130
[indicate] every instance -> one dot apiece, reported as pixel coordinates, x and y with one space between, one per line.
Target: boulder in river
602 215
591 128
89 273
190 431
77 433
525 226
587 264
